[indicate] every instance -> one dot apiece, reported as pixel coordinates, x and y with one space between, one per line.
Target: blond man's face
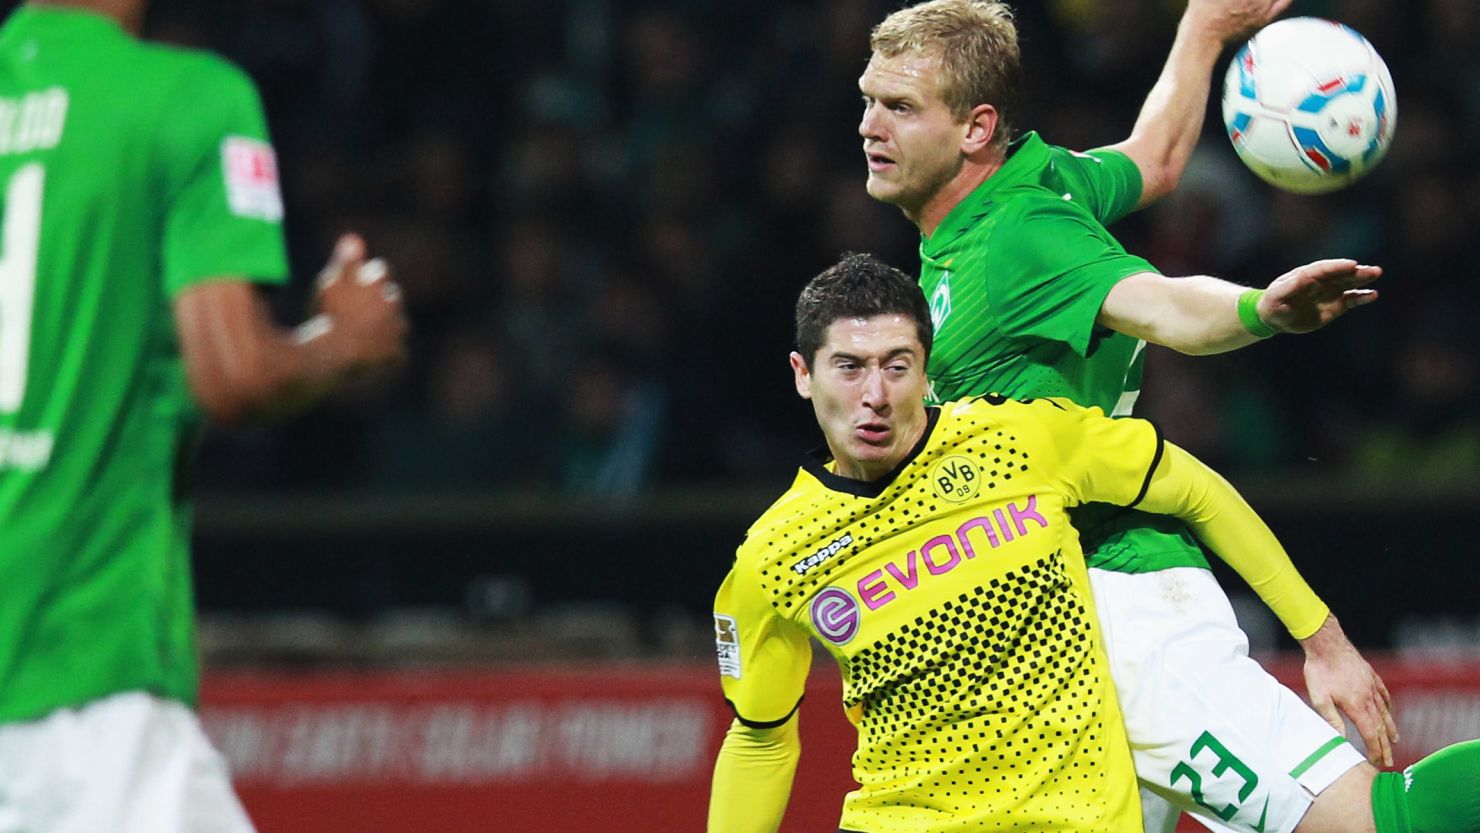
911 140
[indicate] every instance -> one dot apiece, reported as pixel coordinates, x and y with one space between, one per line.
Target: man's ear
803 376
981 129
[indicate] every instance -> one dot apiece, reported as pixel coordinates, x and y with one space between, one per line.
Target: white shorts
1211 732
129 763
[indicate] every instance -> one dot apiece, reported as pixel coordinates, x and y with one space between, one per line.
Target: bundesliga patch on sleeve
727 645
251 179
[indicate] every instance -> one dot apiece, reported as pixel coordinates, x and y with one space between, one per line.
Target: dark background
601 213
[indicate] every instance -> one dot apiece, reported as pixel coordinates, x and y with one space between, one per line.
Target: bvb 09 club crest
956 478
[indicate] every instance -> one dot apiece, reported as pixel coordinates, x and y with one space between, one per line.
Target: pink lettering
1002 524
874 591
937 542
910 578
1030 513
985 525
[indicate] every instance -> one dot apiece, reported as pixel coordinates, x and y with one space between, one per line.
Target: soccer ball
1309 105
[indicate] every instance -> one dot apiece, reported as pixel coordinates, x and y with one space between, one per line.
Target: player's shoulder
995 411
1053 198
995 405
801 503
797 502
198 71
1059 155
1032 215
1049 172
1065 162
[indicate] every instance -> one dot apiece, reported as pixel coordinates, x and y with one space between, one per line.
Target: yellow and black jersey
953 594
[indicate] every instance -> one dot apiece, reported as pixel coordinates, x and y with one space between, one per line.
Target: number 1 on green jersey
21 237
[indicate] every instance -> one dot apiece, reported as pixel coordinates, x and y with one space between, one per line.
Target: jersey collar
1026 156
817 459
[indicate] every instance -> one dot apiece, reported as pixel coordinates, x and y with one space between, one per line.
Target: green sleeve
1104 181
219 180
1049 269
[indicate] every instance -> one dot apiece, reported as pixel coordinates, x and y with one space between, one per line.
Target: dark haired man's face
867 386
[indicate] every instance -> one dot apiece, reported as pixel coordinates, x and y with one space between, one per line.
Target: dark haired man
929 550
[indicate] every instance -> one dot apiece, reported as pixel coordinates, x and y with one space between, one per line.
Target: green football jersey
1015 276
128 173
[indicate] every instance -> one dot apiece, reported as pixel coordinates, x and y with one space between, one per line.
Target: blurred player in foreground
140 211
929 551
1030 297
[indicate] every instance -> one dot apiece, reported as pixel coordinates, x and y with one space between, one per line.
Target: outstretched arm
1337 677
241 366
1172 117
1201 315
752 778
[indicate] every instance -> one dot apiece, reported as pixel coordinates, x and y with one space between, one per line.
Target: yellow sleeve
752 778
1126 462
1183 486
763 657
1095 458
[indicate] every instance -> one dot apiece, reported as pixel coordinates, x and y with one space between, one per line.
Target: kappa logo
835 615
811 562
727 645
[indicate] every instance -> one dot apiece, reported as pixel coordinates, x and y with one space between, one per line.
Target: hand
1231 21
1339 681
1316 294
363 307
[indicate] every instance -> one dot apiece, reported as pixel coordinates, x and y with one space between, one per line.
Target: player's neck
972 174
128 13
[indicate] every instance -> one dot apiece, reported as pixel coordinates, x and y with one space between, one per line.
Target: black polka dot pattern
985 701
979 688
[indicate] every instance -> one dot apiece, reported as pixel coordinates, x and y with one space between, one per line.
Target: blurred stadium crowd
601 211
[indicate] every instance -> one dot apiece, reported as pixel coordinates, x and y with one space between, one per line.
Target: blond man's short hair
976 43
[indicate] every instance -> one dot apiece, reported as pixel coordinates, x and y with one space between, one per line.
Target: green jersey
128 173
1015 276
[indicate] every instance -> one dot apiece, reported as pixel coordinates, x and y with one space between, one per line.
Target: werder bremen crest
940 301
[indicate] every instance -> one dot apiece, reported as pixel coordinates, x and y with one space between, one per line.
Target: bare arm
242 367
1171 119
1198 315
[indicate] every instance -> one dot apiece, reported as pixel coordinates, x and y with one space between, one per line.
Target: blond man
1031 296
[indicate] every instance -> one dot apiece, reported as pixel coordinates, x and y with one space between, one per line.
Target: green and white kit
129 173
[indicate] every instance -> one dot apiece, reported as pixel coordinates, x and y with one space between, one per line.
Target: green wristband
1248 314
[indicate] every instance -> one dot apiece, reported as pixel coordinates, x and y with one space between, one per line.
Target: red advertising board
546 750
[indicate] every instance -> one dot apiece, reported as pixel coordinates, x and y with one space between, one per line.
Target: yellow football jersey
953 594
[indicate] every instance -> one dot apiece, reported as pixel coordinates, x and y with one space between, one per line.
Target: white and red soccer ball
1309 105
